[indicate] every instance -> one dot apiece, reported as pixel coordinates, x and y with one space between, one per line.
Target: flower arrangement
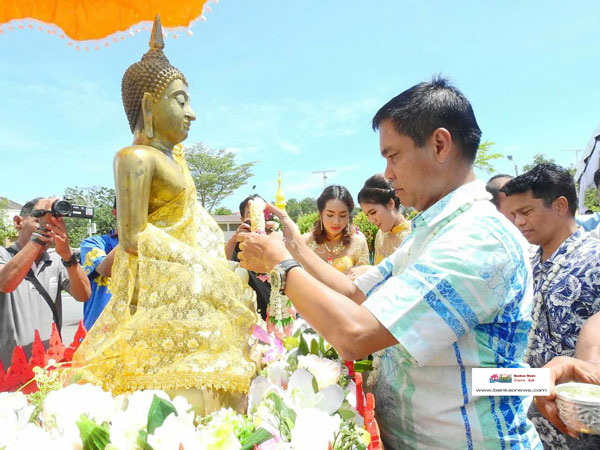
304 398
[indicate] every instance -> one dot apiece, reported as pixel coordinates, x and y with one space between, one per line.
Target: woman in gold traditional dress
378 201
333 236
177 320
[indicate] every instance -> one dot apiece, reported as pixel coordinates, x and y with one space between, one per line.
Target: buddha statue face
168 118
155 97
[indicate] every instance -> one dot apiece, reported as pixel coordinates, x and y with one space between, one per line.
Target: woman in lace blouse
378 201
333 236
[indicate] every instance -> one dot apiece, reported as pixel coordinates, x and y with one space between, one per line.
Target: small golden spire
156 38
279 197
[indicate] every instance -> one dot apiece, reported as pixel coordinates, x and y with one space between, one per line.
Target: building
228 223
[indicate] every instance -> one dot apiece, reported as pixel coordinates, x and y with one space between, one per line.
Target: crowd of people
498 275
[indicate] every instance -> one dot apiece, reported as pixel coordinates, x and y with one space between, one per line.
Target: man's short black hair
597 177
245 202
28 207
546 181
425 107
494 189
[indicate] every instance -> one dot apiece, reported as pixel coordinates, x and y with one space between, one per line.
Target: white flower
64 407
314 429
325 371
14 415
32 436
277 373
301 393
174 431
125 425
217 435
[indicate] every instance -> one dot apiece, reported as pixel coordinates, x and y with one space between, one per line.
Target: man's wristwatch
278 274
71 261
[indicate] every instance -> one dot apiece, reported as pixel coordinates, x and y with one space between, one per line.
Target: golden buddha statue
179 318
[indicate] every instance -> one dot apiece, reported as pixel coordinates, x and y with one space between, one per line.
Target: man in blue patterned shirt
566 273
455 295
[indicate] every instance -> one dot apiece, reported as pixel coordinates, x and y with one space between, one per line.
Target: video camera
63 208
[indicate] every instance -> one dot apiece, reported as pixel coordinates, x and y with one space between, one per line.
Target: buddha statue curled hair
152 74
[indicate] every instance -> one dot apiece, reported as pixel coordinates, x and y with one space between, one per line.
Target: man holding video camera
31 278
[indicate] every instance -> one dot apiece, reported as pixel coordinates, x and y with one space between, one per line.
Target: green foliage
159 410
258 437
215 173
285 416
484 157
367 228
7 230
93 436
591 199
306 221
102 200
222 211
297 208
538 158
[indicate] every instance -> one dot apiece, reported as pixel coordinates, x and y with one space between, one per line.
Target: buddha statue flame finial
152 74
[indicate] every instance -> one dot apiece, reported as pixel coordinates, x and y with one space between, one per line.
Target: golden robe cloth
191 326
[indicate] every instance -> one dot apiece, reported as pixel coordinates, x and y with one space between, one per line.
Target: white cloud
288 147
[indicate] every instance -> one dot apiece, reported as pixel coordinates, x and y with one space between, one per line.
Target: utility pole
324 172
576 150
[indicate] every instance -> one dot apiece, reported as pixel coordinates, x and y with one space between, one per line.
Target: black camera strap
34 280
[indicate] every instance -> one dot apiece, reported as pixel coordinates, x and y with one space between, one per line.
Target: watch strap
284 267
74 259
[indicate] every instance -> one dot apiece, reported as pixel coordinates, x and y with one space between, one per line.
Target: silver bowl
579 406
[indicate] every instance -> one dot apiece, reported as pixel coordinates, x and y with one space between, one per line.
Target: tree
98 197
222 211
297 208
538 158
367 228
7 231
306 221
483 158
591 199
215 173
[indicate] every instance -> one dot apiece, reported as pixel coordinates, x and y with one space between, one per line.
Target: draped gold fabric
386 243
191 324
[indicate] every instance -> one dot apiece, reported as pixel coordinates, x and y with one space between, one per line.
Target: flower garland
538 298
280 311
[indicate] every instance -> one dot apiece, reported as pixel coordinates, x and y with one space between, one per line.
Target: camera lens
61 208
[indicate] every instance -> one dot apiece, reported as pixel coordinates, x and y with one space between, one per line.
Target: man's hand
562 370
357 271
260 252
290 229
58 231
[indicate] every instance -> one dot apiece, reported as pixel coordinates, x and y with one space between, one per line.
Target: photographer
31 278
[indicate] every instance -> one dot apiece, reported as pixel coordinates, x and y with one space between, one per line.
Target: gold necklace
339 247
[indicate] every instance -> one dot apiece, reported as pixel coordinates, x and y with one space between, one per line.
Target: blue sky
294 85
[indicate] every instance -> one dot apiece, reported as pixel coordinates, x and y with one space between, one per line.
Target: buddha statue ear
147 103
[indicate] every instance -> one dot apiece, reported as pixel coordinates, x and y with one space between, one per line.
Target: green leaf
258 437
346 414
159 410
363 365
331 354
282 409
303 347
290 342
314 347
93 436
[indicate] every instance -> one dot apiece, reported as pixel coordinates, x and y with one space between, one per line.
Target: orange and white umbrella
95 20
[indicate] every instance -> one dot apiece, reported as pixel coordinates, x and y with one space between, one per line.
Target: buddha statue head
155 96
